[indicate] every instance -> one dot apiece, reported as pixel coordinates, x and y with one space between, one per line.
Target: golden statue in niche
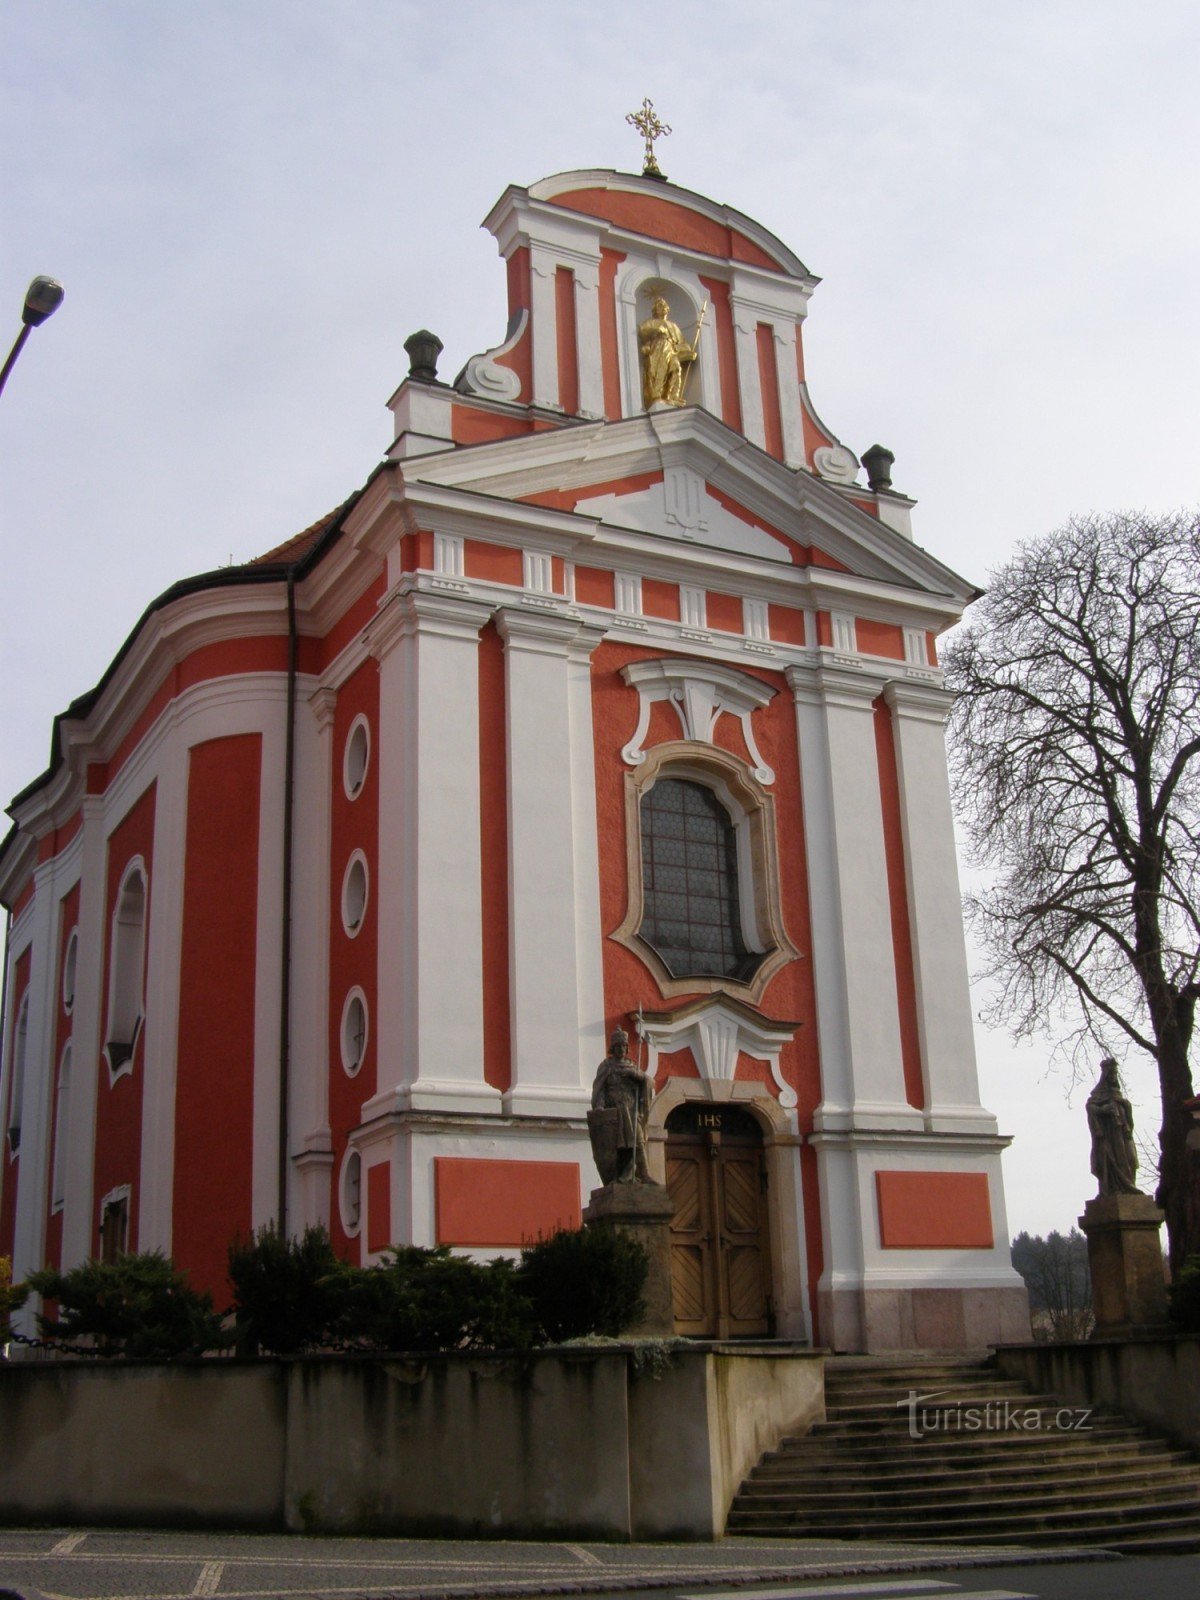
665 354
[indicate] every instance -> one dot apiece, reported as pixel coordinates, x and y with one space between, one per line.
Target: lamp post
42 300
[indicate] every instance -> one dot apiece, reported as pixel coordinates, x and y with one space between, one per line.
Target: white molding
699 692
716 1034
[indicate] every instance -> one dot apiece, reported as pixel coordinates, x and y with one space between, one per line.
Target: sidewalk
106 1564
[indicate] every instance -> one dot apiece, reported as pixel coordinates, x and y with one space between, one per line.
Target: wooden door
720 1251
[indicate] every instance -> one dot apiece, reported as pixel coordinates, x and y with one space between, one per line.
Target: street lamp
42 300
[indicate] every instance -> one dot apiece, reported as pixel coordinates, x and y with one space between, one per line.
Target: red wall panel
481 1202
214 1084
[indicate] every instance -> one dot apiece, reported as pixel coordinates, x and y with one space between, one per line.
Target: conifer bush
284 1291
584 1281
137 1305
419 1299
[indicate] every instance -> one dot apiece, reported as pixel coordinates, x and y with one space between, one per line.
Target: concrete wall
609 1443
1155 1381
179 1445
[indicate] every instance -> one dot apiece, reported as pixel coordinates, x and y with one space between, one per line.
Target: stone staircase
990 1463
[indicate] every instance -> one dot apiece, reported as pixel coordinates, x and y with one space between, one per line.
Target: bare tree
1076 756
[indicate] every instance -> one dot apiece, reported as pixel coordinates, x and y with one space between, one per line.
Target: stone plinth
1129 1290
644 1211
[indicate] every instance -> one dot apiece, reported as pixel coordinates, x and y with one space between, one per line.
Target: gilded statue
621 1097
1110 1122
665 354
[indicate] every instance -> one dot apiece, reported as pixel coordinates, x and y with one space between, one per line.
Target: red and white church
578 714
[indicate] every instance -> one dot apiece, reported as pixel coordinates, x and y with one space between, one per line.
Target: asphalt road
80 1564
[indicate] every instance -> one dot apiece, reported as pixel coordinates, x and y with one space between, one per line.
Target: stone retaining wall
612 1443
1154 1381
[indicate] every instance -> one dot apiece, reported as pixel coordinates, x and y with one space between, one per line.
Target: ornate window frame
127 943
752 811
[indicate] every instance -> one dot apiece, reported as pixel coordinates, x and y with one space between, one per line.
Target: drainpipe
285 939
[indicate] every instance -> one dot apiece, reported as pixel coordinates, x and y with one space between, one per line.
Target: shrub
137 1305
12 1298
283 1290
431 1300
586 1280
1185 1295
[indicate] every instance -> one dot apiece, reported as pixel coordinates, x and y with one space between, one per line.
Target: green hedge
137 1305
294 1295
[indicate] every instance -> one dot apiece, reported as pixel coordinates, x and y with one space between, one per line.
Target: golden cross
648 125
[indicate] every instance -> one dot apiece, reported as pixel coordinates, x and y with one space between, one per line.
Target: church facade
611 699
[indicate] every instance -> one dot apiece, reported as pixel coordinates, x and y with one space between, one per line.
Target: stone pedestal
1129 1290
644 1211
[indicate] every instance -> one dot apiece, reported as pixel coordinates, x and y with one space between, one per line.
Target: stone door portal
720 1251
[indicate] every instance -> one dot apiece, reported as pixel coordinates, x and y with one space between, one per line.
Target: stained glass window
690 883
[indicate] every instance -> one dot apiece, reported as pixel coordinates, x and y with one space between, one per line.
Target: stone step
935 1500
1020 1480
1096 1525
948 1474
907 1457
982 1401
1044 1426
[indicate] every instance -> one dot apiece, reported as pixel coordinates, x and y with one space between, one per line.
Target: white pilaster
309 1137
745 332
164 953
542 268
78 1241
854 966
934 908
785 334
587 337
554 912
428 871
29 1239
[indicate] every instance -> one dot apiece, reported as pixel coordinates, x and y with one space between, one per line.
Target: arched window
704 909
690 902
62 1122
127 960
17 1093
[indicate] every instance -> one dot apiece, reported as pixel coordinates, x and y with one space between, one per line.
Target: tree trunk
1179 1173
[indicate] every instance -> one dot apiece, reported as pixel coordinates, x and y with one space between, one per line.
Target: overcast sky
252 203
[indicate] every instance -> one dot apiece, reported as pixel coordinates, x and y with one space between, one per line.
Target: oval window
350 1193
354 1031
356 758
354 893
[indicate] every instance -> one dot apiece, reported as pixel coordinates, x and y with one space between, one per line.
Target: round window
354 1031
354 893
70 962
350 1193
356 757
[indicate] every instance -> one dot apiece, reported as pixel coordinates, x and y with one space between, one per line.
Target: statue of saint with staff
665 355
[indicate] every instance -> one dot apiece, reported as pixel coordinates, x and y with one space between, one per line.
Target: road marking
800 1590
994 1594
209 1580
586 1556
65 1546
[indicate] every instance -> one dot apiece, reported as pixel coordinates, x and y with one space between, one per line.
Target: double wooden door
720 1249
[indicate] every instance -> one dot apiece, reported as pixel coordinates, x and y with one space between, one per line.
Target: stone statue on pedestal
621 1096
630 1199
1110 1121
1129 1293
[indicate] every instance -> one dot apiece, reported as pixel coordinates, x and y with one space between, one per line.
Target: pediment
685 477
